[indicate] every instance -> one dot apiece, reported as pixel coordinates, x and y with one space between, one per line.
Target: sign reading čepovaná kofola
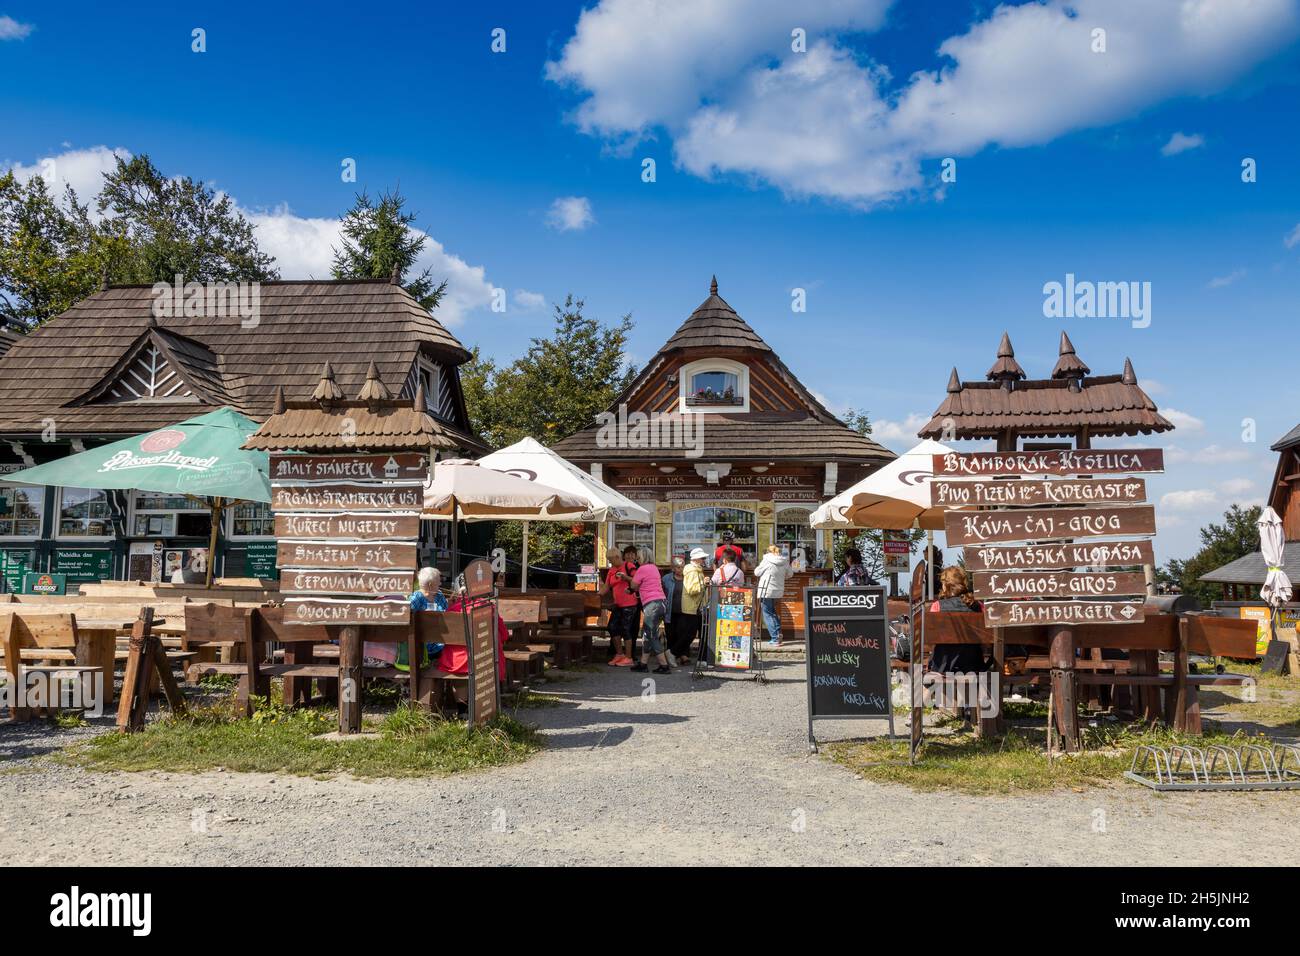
1051 576
347 527
847 654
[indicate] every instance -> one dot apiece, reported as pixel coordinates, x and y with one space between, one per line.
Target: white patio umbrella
1277 586
896 497
461 489
531 460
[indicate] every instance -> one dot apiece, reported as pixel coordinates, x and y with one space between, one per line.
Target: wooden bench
524 651
1182 635
43 639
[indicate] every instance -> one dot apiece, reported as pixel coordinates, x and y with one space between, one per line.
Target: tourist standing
622 619
686 622
728 574
855 574
647 583
771 575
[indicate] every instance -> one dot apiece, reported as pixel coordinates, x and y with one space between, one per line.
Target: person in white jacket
771 575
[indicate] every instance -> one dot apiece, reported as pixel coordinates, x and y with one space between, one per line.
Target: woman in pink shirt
648 584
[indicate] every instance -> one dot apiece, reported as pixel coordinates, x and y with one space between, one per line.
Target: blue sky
776 169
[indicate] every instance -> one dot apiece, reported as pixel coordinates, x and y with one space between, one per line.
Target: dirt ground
713 770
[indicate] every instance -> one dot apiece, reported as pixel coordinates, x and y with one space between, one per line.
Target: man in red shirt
728 544
623 617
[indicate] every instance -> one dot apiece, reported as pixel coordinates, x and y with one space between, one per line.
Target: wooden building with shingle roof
118 364
1070 403
717 434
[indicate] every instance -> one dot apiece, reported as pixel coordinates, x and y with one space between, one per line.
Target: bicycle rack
1217 767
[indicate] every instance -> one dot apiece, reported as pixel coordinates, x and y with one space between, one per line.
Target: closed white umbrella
533 461
1277 586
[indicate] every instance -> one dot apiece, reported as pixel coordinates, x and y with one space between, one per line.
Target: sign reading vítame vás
847 654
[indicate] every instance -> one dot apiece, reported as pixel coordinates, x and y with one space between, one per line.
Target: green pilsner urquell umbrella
199 457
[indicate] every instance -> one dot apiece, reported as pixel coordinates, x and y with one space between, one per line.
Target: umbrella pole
455 547
523 571
217 508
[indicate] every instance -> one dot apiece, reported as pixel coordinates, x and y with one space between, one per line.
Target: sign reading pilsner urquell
1050 577
347 528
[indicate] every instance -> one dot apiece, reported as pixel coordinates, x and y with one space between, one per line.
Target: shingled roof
1061 405
809 432
375 421
7 339
714 325
64 370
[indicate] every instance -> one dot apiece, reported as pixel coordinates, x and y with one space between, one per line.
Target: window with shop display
704 528
21 509
84 513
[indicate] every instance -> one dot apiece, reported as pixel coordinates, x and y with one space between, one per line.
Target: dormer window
431 378
714 385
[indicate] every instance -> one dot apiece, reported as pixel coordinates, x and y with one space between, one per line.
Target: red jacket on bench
454 658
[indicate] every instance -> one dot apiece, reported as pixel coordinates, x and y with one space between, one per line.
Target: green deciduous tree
158 227
378 238
557 387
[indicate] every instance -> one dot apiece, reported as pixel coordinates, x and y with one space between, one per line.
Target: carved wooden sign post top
400 466
1029 493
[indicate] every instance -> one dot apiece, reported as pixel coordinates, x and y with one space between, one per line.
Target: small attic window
715 385
431 378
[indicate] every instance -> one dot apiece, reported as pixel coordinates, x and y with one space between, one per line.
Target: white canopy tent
531 460
895 497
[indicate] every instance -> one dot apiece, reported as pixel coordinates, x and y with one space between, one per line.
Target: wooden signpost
480 615
1067 461
393 584
400 466
370 555
1048 557
1050 577
351 496
1056 584
1046 524
344 613
1031 493
346 526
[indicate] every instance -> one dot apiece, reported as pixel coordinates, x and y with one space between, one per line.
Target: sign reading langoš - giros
347 528
1036 533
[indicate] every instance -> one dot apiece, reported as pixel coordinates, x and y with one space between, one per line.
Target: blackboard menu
83 566
259 560
847 654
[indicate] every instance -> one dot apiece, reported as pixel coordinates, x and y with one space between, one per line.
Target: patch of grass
68 719
1275 681
528 698
1014 763
214 683
285 741
1024 709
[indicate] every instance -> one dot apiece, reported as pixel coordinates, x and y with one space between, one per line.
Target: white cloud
1292 239
1209 455
1188 500
722 80
1151 386
1181 143
82 169
302 247
1218 282
1236 487
1183 420
528 301
898 434
11 29
570 213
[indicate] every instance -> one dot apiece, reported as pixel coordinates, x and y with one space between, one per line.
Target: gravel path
714 770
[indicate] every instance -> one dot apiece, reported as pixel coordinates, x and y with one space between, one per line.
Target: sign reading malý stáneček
1076 461
400 466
